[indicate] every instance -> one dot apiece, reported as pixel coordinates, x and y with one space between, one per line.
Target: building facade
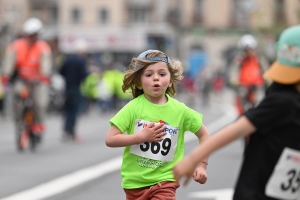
131 26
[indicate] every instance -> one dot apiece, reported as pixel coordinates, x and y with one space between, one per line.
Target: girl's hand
152 133
200 175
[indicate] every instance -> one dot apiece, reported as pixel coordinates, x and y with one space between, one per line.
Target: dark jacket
74 71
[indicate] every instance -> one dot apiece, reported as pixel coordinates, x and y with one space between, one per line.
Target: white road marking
67 182
64 183
222 194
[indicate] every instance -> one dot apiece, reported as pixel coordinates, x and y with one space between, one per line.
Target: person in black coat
74 71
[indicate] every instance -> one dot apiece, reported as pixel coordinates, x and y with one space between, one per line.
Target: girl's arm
240 128
151 133
200 174
203 135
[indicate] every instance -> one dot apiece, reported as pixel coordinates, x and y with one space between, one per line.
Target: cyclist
246 73
29 60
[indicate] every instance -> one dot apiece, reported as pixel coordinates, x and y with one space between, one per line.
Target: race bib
163 150
284 182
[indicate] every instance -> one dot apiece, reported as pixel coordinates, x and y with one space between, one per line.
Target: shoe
78 139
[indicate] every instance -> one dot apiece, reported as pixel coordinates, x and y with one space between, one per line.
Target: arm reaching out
240 128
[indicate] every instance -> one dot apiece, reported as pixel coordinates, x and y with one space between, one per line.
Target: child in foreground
155 124
271 167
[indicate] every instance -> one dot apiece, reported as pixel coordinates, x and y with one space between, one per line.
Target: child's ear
170 84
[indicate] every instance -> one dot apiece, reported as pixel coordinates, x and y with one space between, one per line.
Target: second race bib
284 182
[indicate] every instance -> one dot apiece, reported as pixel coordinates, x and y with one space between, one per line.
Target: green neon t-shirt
146 164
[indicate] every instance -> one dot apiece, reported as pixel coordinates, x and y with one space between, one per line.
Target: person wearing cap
29 59
270 168
155 124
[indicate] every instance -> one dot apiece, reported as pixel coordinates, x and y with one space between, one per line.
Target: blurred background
203 34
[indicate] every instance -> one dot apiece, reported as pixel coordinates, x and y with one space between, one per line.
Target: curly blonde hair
136 68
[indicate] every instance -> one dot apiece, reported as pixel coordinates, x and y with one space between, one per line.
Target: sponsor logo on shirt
293 158
171 131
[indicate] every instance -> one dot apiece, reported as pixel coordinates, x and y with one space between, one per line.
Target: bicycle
245 100
24 116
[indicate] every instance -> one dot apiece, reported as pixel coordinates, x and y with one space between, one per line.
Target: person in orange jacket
29 59
247 73
247 76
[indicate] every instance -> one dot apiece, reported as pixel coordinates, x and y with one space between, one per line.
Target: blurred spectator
74 72
106 91
105 88
56 94
218 82
269 48
205 82
197 61
122 98
89 88
192 84
111 96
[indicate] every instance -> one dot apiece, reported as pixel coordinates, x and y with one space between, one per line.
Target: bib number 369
163 150
284 182
156 147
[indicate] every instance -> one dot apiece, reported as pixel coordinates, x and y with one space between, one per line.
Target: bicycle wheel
33 141
22 138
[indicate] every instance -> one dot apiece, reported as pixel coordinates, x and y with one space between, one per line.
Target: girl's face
155 80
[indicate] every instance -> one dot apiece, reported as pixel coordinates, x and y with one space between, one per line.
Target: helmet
32 26
247 42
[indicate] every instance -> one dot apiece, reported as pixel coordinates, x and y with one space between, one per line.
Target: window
75 15
37 13
157 42
103 16
9 14
198 12
279 12
54 15
241 12
138 15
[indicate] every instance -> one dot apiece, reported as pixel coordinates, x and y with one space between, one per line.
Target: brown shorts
160 191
